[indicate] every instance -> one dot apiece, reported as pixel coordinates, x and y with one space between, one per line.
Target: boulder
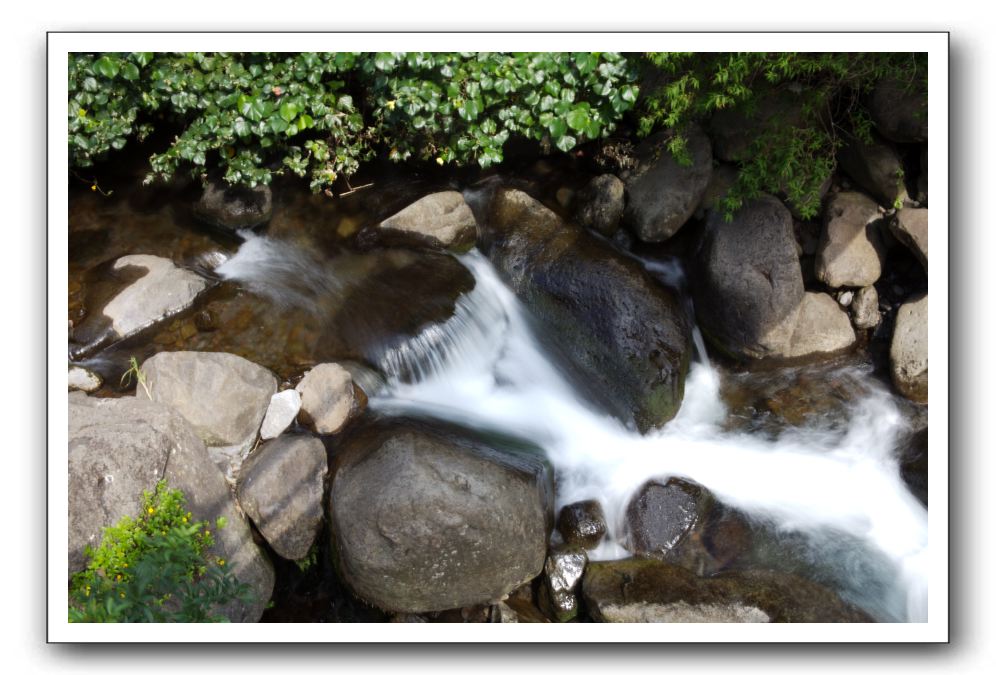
724 177
564 568
909 226
601 204
748 290
850 251
280 414
81 379
660 516
328 398
864 309
921 181
223 396
626 336
908 352
234 207
899 111
120 447
280 488
427 519
438 221
582 524
646 591
733 130
661 194
876 167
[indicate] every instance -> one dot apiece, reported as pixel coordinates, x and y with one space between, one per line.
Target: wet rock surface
660 516
234 207
427 519
602 310
564 568
120 447
582 524
280 488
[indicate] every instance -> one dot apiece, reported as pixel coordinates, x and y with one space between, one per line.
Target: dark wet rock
280 488
329 398
652 591
601 204
899 111
564 568
909 226
726 536
875 167
120 447
582 524
232 207
659 517
628 337
661 194
864 309
908 351
438 221
427 519
851 250
223 396
733 130
81 379
913 465
280 414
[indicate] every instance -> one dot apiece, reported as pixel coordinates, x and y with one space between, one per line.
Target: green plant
136 372
155 568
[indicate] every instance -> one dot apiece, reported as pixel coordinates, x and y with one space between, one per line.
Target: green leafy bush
155 568
318 115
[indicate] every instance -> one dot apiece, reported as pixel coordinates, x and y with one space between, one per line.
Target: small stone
845 298
864 310
565 196
280 414
82 379
582 524
327 398
564 568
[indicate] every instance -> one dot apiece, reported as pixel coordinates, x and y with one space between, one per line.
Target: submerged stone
582 524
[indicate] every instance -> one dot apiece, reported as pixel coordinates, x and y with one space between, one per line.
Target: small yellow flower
122 595
439 161
184 519
151 510
118 577
93 188
391 104
221 561
82 112
124 564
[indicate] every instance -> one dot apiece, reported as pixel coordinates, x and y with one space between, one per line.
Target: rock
120 447
234 207
439 221
427 519
864 309
899 111
661 193
845 298
564 197
851 250
921 181
582 524
660 516
909 226
602 203
626 337
734 130
328 398
908 352
280 414
223 396
564 568
820 326
280 488
724 177
652 591
877 168
81 379
913 465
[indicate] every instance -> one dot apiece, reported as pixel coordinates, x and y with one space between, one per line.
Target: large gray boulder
281 487
234 207
328 398
441 221
628 337
850 251
650 591
908 351
899 111
223 396
663 194
909 226
601 204
876 167
748 290
120 447
426 520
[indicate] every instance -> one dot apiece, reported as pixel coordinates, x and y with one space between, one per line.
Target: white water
485 368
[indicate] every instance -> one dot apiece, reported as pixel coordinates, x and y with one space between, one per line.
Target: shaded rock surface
439 220
661 194
120 447
231 207
223 396
876 167
280 488
908 351
426 519
653 591
327 398
280 414
628 337
602 203
899 111
909 226
851 250
582 524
